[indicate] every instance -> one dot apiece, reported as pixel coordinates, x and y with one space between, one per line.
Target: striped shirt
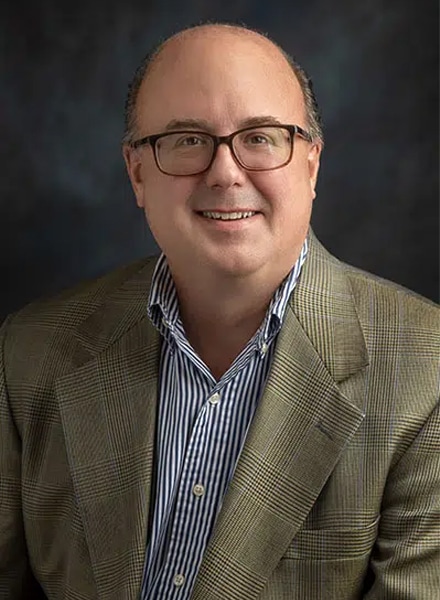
202 424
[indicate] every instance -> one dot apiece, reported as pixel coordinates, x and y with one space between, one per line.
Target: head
218 79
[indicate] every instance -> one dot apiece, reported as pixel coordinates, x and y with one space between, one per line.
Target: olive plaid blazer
336 494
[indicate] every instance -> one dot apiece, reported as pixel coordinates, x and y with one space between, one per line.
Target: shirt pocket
333 544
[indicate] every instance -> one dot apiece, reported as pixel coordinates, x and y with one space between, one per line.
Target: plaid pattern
336 494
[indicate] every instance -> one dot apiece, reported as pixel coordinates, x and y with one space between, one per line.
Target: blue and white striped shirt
202 424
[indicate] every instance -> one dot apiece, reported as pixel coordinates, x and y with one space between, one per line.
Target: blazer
336 494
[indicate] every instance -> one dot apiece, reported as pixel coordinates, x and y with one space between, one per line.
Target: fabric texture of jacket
336 494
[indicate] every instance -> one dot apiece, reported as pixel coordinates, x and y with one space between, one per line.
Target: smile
232 216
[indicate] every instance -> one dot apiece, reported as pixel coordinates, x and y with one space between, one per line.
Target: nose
224 172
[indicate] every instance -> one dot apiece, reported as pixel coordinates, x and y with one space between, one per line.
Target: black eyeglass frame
222 139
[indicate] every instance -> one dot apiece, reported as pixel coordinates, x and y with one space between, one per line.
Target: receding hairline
153 59
212 28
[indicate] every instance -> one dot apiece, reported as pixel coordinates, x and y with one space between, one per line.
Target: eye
257 138
190 140
264 139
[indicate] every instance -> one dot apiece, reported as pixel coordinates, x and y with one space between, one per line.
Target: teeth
232 216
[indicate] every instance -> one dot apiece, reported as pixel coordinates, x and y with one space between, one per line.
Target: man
245 417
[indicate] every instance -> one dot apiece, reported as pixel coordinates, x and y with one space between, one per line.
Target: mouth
227 216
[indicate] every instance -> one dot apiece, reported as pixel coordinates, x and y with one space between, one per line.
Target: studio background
67 212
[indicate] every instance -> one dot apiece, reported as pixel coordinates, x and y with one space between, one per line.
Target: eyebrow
202 124
258 121
187 124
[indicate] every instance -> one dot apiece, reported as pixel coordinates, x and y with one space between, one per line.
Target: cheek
286 190
165 202
298 188
289 203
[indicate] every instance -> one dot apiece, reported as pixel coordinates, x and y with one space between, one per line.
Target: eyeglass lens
262 148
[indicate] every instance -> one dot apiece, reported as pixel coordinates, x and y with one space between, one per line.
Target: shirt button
198 489
215 398
179 580
264 348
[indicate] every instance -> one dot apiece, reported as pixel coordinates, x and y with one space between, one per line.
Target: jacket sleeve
406 558
16 579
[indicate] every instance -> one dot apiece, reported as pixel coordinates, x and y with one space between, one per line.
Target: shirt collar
163 304
277 307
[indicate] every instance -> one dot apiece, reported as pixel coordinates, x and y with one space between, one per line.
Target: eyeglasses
254 148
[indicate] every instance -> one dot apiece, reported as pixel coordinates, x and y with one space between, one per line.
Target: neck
221 314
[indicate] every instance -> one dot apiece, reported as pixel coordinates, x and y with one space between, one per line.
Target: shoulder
348 312
401 330
53 336
390 305
376 299
72 306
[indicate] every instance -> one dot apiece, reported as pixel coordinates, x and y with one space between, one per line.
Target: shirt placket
197 500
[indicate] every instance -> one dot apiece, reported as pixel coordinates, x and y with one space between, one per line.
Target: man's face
215 81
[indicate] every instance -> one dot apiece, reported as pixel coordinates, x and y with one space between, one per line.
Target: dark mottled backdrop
66 210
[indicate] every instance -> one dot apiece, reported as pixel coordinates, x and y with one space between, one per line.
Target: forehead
221 78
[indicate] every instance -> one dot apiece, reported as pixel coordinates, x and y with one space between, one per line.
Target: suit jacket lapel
108 407
297 435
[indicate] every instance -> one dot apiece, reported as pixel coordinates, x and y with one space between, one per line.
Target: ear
133 163
313 162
